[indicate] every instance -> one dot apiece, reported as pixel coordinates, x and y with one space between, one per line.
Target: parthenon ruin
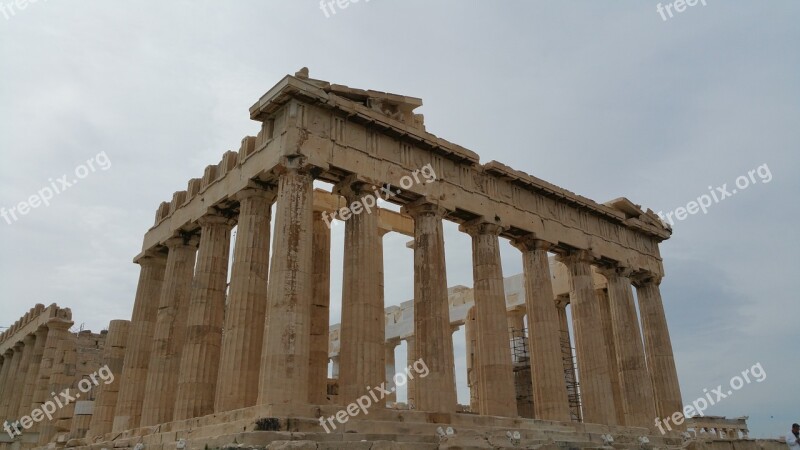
212 359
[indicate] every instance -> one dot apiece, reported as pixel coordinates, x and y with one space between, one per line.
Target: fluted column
658 348
11 383
169 335
363 319
437 391
199 366
590 348
21 378
4 384
411 384
33 372
106 399
240 362
133 380
567 360
61 377
285 355
57 329
550 401
391 370
495 370
320 313
613 365
637 389
470 336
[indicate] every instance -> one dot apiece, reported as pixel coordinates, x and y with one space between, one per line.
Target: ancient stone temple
212 359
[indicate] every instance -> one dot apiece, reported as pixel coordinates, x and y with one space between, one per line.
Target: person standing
793 438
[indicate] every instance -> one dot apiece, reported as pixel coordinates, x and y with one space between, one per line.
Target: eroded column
21 378
495 370
199 363
240 362
57 330
637 389
436 392
285 354
33 372
590 348
4 384
470 336
133 381
411 383
320 313
658 348
613 365
363 319
11 382
61 377
550 399
106 399
391 370
170 332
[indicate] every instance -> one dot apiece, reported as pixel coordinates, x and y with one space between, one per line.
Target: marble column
4 384
363 319
102 419
391 370
11 382
169 335
199 363
57 330
515 319
33 372
495 370
437 391
21 378
470 336
285 353
658 348
637 389
550 401
320 313
590 348
567 360
240 361
411 384
613 365
133 379
61 377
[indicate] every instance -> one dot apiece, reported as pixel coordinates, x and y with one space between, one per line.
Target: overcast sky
603 98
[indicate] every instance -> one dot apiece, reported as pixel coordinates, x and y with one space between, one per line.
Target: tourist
793 438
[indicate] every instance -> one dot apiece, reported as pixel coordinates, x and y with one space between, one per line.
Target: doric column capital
153 256
575 256
614 271
215 218
267 193
562 301
354 187
28 339
530 242
182 241
643 278
18 346
59 324
480 226
423 207
392 343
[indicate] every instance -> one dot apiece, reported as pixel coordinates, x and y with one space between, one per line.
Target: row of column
274 350
41 363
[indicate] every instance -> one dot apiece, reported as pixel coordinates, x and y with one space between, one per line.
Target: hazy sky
604 98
